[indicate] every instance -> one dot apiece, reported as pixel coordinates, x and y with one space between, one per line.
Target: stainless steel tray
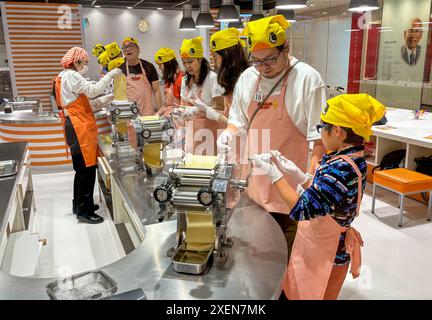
191 262
88 285
8 168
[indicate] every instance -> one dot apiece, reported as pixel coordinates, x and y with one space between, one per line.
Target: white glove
224 141
262 161
115 72
211 113
107 98
190 112
297 176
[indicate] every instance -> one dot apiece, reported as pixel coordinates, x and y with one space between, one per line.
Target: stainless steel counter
255 267
23 117
9 151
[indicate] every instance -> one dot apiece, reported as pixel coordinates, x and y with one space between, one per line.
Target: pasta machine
121 112
199 193
149 136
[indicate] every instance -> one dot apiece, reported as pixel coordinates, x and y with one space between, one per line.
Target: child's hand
296 175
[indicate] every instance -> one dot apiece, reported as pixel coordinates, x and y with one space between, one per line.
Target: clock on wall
143 25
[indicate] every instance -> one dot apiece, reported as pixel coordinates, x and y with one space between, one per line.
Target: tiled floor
396 261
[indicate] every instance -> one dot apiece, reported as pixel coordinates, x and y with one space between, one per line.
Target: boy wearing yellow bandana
325 240
199 90
278 100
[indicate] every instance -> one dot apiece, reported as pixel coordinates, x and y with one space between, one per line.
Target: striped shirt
333 192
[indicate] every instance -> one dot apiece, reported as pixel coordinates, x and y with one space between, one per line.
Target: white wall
3 53
324 44
108 25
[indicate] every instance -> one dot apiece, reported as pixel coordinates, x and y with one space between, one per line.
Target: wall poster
402 52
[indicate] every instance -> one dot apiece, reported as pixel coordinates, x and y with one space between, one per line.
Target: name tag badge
259 96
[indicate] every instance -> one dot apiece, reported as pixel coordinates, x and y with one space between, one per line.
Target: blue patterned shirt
333 192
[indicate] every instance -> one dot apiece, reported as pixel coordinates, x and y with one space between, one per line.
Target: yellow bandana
113 50
224 39
164 55
192 48
98 49
355 111
130 39
266 33
103 59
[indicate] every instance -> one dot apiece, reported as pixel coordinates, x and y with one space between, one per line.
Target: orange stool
403 182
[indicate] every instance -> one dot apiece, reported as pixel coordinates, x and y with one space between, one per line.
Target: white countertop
402 126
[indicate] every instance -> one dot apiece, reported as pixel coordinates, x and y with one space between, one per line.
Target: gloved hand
107 98
297 176
262 161
190 112
224 141
211 113
115 72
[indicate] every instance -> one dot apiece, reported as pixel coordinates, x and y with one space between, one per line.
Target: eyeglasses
267 62
129 46
322 126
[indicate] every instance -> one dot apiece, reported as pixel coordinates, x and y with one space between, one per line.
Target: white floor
72 247
396 261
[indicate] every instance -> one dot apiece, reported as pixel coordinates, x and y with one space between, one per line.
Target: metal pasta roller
149 136
121 112
197 191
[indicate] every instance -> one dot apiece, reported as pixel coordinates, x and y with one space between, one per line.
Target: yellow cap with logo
131 40
192 48
355 111
98 49
113 50
225 39
103 59
164 55
266 33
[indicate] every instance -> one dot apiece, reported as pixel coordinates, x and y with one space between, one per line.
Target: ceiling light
363 5
129 7
187 22
288 14
228 12
205 19
159 8
324 12
97 6
257 12
344 13
290 4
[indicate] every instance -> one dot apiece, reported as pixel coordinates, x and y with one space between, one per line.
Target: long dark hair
234 62
205 69
170 71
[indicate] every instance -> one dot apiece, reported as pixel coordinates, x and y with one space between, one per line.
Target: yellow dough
120 88
200 231
201 162
151 155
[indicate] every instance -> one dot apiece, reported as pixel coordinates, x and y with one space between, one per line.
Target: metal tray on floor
90 285
8 168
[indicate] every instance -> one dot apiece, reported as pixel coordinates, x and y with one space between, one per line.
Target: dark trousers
85 177
289 229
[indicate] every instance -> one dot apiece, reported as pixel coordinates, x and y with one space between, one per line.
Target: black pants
85 177
289 229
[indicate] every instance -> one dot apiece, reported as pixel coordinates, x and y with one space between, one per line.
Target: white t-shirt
210 89
305 97
73 84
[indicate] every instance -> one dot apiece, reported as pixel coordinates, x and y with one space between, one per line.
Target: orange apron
193 131
274 126
81 115
139 90
314 251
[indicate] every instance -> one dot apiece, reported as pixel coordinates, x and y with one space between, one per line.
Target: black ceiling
153 4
